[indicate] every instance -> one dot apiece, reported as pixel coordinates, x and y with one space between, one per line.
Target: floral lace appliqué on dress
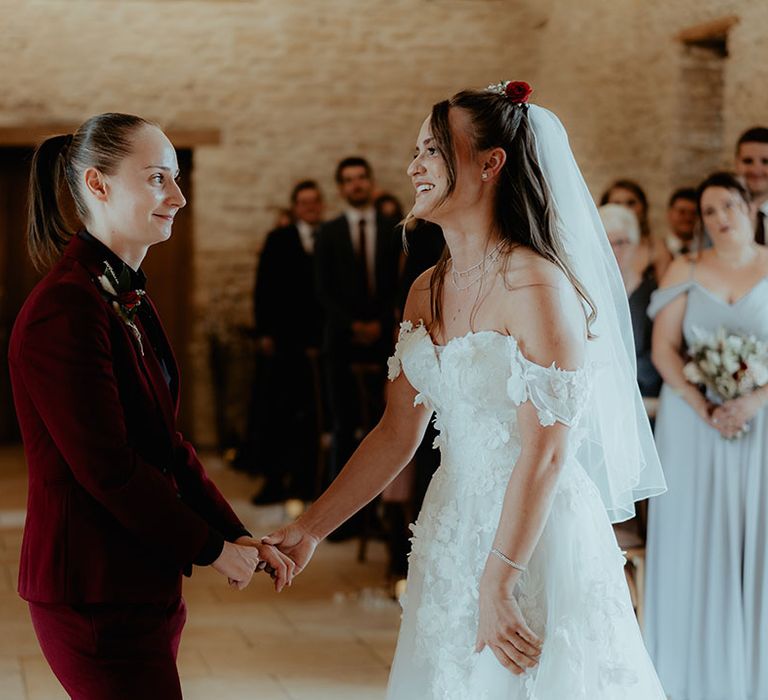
574 593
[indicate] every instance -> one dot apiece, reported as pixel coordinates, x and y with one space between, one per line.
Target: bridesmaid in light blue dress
707 587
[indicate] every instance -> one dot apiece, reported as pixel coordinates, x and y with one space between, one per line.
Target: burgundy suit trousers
112 651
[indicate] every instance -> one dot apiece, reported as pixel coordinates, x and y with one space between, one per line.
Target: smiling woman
119 505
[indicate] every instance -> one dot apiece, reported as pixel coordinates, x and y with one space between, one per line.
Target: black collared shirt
147 317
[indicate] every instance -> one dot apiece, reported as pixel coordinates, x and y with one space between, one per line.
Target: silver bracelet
508 561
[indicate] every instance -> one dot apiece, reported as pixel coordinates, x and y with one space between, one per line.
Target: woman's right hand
237 563
295 542
502 626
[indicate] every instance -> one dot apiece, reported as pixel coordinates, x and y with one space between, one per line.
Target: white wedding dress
574 593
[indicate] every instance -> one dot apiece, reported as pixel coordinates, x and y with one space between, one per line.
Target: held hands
502 626
280 567
295 542
732 417
237 563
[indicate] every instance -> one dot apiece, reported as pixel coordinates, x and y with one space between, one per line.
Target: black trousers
282 431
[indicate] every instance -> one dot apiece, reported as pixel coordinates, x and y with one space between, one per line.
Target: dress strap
661 297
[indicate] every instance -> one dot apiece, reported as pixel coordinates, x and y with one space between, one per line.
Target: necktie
760 228
363 254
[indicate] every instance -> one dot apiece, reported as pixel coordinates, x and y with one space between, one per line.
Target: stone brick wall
295 85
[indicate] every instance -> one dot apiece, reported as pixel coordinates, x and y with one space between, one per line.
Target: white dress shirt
306 235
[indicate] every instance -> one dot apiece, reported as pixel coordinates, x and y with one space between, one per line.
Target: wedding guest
706 613
283 427
119 505
681 218
629 194
752 167
356 267
283 217
389 206
639 278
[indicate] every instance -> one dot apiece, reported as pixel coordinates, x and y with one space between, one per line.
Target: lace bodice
483 377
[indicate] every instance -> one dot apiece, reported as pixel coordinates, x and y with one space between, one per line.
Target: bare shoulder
417 306
527 267
679 271
544 312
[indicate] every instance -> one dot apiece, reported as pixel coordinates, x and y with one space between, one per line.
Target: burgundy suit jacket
119 505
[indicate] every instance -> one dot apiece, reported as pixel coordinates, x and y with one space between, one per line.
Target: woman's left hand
732 416
279 566
503 628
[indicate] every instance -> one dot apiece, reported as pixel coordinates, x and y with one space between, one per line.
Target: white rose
731 362
708 368
727 387
693 374
713 358
758 371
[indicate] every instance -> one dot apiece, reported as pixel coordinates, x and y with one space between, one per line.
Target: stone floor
331 635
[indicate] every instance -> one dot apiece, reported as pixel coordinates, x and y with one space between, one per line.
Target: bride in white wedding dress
517 341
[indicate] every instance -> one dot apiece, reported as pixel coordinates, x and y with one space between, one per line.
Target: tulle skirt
574 595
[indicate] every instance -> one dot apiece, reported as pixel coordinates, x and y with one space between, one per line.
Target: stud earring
484 176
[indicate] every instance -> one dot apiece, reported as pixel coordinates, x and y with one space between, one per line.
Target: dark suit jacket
338 281
285 300
425 246
119 504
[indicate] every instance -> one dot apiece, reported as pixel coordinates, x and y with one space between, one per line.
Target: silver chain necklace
484 265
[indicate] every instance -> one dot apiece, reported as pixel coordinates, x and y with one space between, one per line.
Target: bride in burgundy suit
119 505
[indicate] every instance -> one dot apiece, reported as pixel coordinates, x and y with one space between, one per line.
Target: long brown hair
523 211
101 143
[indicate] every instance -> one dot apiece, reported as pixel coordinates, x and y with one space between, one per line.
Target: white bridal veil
618 452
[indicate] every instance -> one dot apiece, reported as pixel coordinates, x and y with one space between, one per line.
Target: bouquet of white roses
729 365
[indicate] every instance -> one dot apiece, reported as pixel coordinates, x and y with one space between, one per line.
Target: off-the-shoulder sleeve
661 297
395 363
558 395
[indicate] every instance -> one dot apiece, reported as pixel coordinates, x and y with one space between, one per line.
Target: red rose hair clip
516 91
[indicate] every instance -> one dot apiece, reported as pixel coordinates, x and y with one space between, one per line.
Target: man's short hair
353 161
301 186
687 193
757 134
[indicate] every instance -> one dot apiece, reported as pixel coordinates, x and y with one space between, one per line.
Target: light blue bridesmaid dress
706 619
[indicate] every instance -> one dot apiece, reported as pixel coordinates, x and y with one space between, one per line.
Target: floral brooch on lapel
124 300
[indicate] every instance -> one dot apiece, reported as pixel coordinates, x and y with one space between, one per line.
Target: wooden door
17 275
168 267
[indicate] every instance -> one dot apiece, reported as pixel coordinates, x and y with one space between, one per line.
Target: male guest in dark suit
356 266
288 324
752 167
